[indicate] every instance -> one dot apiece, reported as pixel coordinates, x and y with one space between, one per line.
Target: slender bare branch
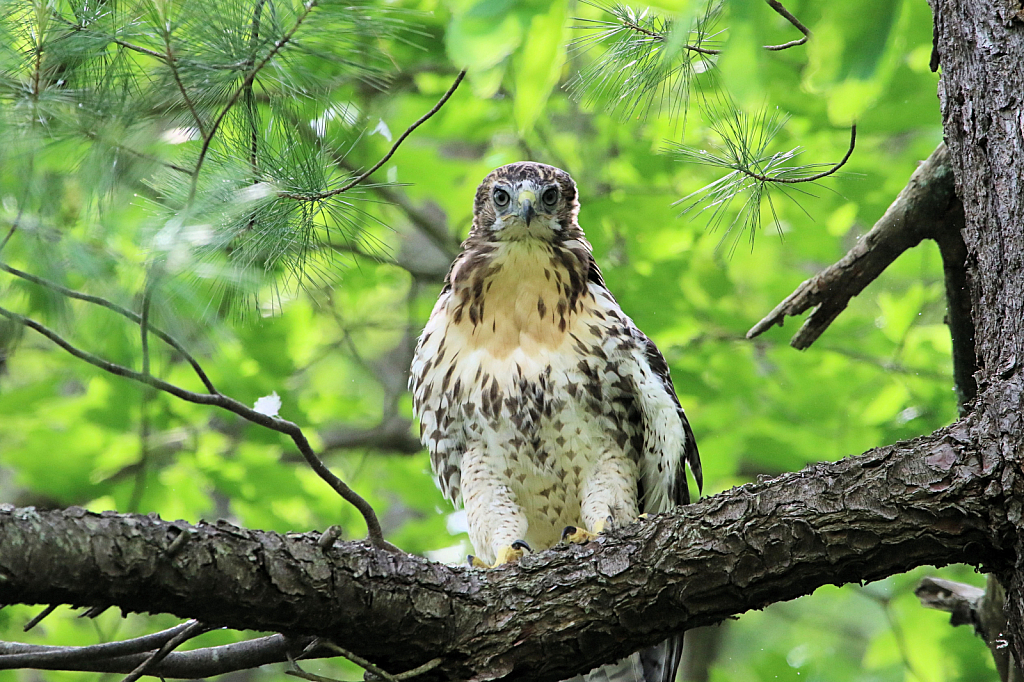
13 655
320 196
193 629
361 662
809 178
198 663
777 6
39 618
173 66
110 305
284 426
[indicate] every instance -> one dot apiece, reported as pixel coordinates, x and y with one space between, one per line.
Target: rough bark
934 500
980 46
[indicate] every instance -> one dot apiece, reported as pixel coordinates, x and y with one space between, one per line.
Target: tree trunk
980 47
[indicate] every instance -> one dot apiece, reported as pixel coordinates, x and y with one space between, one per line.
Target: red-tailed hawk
546 412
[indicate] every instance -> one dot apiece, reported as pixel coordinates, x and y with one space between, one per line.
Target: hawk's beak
526 211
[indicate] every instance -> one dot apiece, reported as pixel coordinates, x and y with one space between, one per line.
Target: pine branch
742 148
246 83
124 312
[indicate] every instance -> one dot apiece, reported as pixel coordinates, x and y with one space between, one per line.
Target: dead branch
926 208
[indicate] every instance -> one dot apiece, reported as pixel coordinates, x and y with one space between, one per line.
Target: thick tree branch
927 207
935 500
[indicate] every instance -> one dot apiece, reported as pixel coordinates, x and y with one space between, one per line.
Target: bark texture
558 613
980 47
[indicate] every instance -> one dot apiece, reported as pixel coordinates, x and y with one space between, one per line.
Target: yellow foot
506 555
575 535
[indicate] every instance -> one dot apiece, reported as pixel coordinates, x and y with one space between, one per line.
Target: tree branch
928 201
935 500
198 663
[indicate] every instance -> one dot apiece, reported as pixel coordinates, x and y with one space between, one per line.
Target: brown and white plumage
541 403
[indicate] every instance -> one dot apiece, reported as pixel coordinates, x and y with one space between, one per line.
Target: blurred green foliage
335 343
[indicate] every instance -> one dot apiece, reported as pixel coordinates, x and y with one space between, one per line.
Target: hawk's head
526 200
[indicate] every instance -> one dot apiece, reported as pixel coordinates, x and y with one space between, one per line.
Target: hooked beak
526 211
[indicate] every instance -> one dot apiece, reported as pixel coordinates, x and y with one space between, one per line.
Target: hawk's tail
658 663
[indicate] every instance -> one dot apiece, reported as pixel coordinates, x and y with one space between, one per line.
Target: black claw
469 559
521 544
567 531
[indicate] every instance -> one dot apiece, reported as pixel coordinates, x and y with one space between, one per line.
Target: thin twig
80 654
250 101
14 227
194 629
171 64
208 138
134 152
38 619
660 37
296 671
810 178
777 6
140 49
420 121
147 299
193 664
110 305
362 662
290 429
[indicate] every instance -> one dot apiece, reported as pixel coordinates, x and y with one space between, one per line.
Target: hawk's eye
500 197
550 197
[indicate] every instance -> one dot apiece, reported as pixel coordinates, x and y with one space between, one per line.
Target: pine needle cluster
648 63
201 115
644 62
742 144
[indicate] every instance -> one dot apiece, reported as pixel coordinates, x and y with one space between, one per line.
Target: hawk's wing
662 485
669 446
429 381
664 419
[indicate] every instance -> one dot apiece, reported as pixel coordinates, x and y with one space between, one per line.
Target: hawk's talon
574 535
506 555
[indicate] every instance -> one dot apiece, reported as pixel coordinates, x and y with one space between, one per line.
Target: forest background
326 318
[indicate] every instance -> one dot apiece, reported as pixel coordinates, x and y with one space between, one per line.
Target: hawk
546 412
